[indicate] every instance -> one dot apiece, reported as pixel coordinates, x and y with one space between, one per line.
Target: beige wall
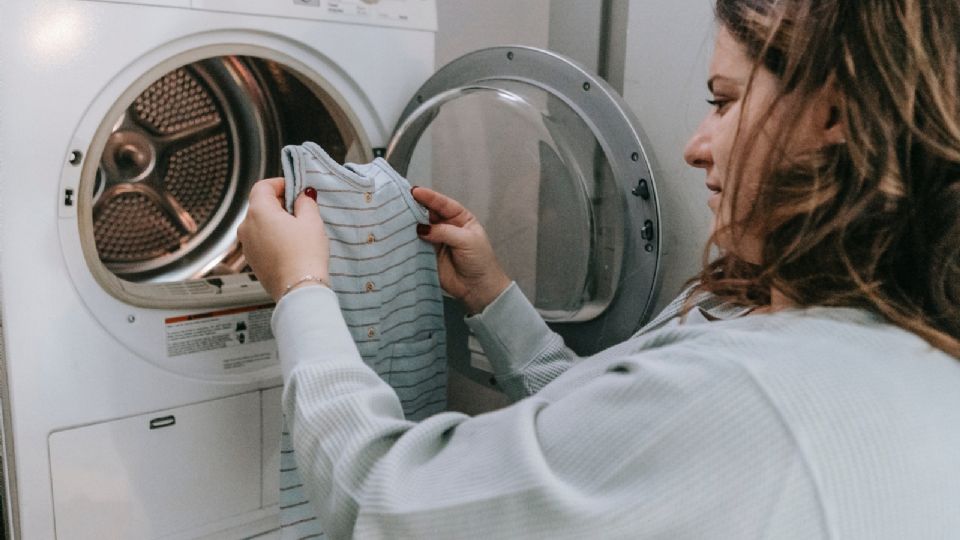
467 25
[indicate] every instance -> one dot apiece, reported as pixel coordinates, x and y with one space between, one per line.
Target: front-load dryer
141 388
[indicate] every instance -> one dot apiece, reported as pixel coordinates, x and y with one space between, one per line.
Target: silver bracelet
305 279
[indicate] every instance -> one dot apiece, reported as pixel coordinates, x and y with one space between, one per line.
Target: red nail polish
422 229
310 192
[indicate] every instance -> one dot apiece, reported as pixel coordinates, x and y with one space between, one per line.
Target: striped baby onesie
386 280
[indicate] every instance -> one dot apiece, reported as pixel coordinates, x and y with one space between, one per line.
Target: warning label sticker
202 332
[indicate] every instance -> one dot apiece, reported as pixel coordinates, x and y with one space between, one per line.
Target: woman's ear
830 114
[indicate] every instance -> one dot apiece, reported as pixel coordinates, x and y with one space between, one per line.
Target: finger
444 207
267 192
417 192
305 207
450 235
278 184
242 232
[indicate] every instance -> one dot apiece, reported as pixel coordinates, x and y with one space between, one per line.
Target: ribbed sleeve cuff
511 331
309 328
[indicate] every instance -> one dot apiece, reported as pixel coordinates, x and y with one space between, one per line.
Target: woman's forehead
729 60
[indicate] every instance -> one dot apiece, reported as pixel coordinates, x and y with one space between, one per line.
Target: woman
822 398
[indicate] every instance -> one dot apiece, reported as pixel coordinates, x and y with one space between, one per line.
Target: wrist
478 299
306 280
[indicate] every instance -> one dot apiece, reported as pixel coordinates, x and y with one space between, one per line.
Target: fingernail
413 188
423 229
310 192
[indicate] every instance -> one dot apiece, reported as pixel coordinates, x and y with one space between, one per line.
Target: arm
284 248
524 352
630 443
668 446
526 355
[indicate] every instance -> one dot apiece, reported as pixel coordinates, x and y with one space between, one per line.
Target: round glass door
550 162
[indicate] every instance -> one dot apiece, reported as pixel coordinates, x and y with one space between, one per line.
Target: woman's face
712 146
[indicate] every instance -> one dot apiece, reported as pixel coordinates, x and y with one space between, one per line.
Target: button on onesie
385 278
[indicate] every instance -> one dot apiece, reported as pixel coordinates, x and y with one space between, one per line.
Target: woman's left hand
282 248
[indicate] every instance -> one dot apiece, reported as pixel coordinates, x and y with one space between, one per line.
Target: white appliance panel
157 474
169 3
413 14
78 359
272 428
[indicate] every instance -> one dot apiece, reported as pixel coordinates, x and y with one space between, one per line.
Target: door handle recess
162 422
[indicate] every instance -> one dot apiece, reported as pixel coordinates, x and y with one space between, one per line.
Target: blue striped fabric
386 281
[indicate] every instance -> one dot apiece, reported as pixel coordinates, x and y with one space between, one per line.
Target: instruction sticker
228 328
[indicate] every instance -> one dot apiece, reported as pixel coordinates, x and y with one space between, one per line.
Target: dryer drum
177 166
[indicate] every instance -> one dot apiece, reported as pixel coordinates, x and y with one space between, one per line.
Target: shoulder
802 364
842 380
791 334
820 339
839 343
859 405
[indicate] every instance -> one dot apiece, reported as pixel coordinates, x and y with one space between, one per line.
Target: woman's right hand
468 268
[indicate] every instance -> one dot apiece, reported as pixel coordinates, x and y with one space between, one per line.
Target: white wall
668 47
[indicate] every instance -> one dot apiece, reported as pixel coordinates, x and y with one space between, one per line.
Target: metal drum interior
178 163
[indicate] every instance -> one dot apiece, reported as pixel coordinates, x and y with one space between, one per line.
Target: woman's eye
719 103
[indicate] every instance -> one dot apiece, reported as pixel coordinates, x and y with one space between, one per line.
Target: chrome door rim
619 135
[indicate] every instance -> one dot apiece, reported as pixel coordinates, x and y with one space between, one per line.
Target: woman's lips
714 200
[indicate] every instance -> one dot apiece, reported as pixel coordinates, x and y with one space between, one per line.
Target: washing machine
140 381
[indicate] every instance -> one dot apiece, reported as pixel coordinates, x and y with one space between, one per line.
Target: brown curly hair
874 222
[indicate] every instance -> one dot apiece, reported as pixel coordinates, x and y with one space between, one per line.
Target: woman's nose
697 152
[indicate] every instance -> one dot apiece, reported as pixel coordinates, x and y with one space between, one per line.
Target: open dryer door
552 163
